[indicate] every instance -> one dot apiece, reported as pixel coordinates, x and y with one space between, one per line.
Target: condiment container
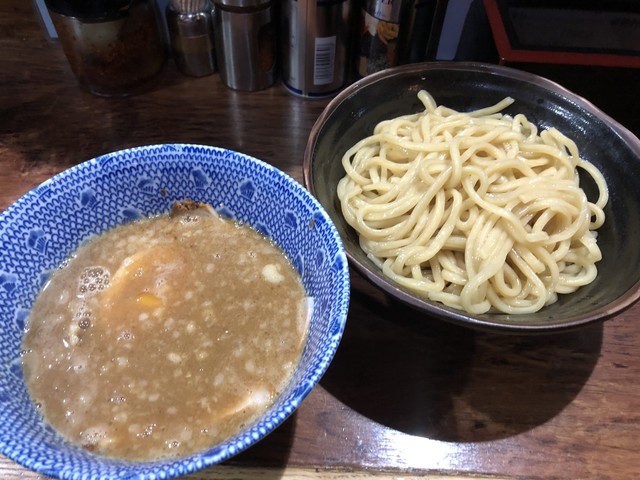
114 47
379 35
190 25
316 38
416 31
245 33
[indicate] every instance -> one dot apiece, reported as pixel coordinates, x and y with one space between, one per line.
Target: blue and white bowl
44 226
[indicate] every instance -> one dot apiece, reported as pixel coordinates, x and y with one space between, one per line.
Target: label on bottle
324 60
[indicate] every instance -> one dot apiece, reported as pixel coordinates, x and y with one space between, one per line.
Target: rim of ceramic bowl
337 269
434 308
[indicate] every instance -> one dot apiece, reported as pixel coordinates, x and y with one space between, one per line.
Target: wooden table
407 395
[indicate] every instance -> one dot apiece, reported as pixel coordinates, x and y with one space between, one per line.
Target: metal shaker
190 27
316 37
245 34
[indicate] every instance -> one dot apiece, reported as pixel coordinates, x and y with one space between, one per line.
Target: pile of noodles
476 210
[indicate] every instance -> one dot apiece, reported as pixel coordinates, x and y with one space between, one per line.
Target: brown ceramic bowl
352 114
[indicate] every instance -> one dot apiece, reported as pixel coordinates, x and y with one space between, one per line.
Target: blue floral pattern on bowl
44 226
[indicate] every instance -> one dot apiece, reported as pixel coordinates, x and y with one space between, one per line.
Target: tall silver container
316 39
246 48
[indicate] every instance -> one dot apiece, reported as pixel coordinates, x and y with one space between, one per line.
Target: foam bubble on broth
166 336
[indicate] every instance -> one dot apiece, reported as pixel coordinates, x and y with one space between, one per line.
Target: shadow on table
425 377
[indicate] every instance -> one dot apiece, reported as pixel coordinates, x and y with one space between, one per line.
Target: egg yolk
145 284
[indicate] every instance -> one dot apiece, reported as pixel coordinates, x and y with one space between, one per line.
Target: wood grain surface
407 396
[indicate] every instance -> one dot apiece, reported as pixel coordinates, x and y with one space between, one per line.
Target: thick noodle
476 210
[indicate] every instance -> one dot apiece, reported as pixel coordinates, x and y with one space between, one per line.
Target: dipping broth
163 337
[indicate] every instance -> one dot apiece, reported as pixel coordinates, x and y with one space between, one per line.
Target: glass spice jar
379 35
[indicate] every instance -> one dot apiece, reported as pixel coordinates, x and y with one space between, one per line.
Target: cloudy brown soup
163 337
